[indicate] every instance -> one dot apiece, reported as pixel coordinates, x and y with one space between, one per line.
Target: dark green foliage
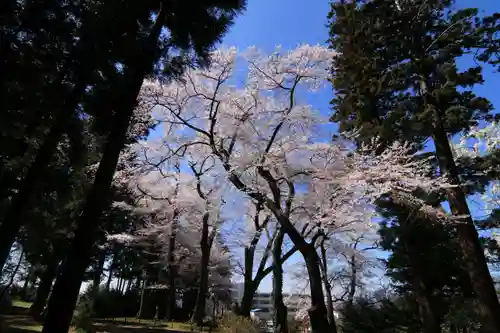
379 315
397 78
386 55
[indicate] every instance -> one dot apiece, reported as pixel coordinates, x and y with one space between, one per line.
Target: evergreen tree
396 77
193 27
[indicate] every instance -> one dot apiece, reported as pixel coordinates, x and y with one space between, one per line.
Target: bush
6 301
232 323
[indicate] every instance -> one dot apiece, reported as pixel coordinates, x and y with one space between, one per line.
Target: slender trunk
250 288
43 290
96 281
171 278
280 310
119 285
468 238
205 245
65 292
353 280
12 276
24 293
326 282
141 304
138 280
111 270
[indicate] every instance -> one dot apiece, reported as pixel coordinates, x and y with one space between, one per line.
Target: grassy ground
21 322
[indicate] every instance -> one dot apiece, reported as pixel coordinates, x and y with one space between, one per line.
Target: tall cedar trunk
317 313
468 238
43 290
96 280
280 310
171 298
326 283
427 312
141 303
205 245
65 293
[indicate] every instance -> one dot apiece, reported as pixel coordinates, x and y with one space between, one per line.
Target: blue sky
289 23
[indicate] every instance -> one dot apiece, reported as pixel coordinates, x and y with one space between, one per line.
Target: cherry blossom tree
271 147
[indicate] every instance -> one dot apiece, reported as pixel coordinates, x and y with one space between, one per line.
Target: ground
18 321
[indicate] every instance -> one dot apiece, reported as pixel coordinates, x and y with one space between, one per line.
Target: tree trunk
317 313
111 270
96 281
171 278
250 288
43 290
141 304
427 312
280 310
468 238
129 285
205 245
67 286
326 283
353 281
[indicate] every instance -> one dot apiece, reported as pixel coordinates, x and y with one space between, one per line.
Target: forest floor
19 321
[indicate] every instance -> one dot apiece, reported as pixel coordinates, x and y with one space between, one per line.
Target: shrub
232 323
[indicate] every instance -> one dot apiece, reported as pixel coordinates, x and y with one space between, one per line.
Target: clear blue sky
289 23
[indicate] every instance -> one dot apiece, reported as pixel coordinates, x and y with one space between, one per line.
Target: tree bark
65 293
141 304
328 288
43 290
280 310
468 238
205 245
317 313
172 272
96 281
427 311
110 274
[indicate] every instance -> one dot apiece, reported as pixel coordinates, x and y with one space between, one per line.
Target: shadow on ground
121 326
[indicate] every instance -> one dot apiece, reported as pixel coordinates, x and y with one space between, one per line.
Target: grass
154 324
21 304
19 321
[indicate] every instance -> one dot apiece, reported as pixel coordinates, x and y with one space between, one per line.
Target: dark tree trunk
96 281
172 272
65 293
427 311
317 313
250 288
353 281
141 304
110 274
280 310
129 285
43 290
205 245
468 238
138 280
326 283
